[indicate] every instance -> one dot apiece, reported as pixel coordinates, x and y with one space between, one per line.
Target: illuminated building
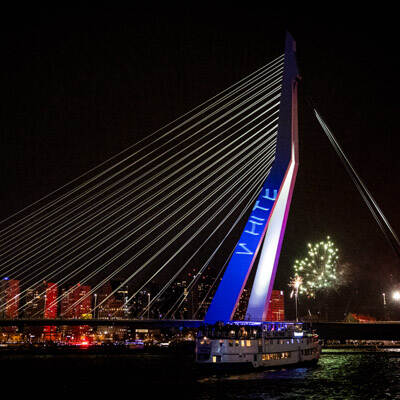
276 309
9 298
76 303
112 305
33 303
119 305
139 303
66 303
50 309
104 301
204 297
195 288
240 312
41 302
84 307
50 297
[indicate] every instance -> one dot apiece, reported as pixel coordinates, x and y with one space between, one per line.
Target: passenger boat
249 345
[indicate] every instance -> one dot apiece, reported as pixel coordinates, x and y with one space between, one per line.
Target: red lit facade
50 308
276 309
76 303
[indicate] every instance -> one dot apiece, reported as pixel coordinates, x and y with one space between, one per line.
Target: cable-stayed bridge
208 193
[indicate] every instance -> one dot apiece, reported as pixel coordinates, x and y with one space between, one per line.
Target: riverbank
187 348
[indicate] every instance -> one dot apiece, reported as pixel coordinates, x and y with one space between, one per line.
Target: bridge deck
383 330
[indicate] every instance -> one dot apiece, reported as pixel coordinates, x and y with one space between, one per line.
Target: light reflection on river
337 376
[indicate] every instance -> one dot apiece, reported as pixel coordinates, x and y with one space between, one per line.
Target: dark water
337 376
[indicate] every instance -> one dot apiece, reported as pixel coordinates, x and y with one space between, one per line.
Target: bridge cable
214 281
115 272
204 266
98 194
190 190
205 161
172 227
166 286
109 248
247 80
34 244
148 246
243 151
372 205
237 173
177 252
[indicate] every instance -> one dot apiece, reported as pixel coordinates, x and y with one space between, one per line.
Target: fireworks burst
295 284
318 270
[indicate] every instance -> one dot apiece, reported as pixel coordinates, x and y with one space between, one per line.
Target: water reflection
337 376
283 373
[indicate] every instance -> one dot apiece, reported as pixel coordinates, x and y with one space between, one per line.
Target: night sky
78 86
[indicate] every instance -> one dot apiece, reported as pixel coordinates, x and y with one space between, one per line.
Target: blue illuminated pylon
266 225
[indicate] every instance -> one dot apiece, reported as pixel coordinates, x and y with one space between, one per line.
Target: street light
396 295
295 284
385 317
95 304
148 305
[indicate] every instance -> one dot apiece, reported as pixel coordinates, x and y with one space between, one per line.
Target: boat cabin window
276 356
230 331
